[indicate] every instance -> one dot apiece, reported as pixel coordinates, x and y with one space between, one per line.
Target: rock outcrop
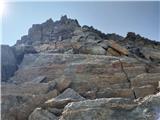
113 109
8 62
62 71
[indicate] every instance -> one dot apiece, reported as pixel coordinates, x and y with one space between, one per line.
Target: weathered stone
61 103
39 79
113 52
22 111
28 88
63 99
113 109
151 54
146 79
118 48
92 49
70 93
100 109
109 93
35 33
61 54
40 114
55 111
35 65
62 83
27 98
150 107
144 91
90 95
104 44
8 62
7 102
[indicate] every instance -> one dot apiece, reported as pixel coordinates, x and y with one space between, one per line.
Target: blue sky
109 17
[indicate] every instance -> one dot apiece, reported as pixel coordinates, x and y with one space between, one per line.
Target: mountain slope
63 71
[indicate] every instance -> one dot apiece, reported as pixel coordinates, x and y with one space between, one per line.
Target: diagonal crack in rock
128 79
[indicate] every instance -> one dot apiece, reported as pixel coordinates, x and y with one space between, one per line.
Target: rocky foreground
64 71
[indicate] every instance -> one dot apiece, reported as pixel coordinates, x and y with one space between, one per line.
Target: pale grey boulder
114 109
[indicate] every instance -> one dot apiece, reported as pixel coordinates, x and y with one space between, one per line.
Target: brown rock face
62 71
118 48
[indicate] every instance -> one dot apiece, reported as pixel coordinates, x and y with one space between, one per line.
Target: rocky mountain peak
49 31
64 18
62 71
48 22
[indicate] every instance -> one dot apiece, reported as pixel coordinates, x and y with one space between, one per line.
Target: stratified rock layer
62 71
113 109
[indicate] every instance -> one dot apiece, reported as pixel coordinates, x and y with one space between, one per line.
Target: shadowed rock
8 62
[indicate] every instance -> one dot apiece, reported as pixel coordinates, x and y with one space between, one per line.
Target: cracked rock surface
63 71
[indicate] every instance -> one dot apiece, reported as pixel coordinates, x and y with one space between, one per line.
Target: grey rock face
70 93
21 50
8 62
55 105
62 66
50 31
19 102
113 109
106 76
40 114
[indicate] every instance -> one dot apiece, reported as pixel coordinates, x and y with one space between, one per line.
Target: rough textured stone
40 114
92 49
118 48
24 99
22 111
144 91
28 88
151 54
100 109
63 83
21 50
39 79
107 93
113 109
63 99
70 93
146 79
8 62
113 52
59 54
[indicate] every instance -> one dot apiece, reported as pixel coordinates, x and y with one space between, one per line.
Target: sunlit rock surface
61 70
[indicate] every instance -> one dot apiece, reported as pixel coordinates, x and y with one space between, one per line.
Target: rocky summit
61 70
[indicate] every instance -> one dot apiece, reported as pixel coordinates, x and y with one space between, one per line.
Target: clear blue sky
109 17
